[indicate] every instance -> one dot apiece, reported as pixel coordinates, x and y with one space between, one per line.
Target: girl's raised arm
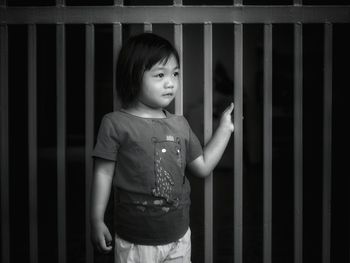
212 152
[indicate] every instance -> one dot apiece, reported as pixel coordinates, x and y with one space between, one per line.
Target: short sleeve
107 144
194 148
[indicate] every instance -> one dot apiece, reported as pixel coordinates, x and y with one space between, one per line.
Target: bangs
160 56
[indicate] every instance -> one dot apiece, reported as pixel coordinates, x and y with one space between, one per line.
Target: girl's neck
144 111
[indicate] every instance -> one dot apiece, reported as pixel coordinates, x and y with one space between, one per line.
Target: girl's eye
159 75
176 74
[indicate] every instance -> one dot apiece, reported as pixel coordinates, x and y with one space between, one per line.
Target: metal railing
178 14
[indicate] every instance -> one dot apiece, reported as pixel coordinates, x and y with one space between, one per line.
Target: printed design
167 168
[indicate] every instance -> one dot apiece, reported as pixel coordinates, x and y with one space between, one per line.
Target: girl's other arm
212 152
100 191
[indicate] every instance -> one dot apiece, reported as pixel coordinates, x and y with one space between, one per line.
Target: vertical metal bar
208 127
298 144
60 2
267 143
298 2
117 44
177 2
61 137
118 2
61 141
32 139
327 143
178 39
238 142
147 27
4 150
89 127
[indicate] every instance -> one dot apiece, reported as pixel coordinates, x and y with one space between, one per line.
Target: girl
146 150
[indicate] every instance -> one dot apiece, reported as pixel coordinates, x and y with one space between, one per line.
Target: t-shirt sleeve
194 147
107 144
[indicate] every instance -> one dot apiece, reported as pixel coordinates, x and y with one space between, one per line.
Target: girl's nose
169 84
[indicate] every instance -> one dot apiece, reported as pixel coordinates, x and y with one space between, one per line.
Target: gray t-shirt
153 195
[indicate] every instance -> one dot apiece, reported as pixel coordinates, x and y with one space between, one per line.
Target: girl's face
159 84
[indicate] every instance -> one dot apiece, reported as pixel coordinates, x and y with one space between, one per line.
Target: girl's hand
101 237
226 119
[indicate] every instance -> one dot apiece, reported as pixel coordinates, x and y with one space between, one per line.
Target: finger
104 248
101 244
107 249
229 109
108 237
108 243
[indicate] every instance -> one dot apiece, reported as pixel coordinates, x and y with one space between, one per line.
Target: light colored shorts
176 252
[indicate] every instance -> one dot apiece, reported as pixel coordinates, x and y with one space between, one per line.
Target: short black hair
140 53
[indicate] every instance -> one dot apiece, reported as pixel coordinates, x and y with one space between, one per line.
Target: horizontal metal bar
174 14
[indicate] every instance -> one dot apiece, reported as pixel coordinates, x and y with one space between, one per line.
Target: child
146 149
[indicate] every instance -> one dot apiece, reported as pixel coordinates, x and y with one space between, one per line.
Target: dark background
223 39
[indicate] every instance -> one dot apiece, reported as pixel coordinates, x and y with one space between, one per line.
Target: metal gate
177 15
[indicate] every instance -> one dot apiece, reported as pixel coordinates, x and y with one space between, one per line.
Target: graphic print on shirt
168 169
